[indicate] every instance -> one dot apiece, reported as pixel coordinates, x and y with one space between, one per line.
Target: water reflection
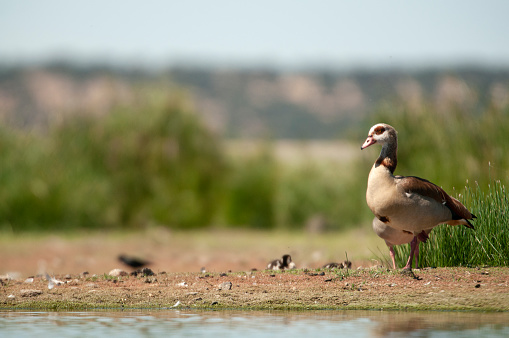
253 323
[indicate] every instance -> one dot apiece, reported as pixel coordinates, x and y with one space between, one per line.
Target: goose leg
417 255
413 244
391 252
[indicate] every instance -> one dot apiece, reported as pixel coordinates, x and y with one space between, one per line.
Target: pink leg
391 252
413 244
416 255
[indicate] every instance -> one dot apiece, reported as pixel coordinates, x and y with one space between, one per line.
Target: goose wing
420 186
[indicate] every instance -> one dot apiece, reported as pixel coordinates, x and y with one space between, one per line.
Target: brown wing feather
417 185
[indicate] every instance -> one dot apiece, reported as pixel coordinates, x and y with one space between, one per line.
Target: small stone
68 276
118 273
11 296
84 274
29 280
4 277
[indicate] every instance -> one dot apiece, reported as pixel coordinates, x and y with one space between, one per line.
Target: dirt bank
477 289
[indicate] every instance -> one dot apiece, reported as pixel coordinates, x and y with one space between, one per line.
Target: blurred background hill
246 104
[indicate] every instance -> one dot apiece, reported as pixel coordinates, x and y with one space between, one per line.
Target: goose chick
281 264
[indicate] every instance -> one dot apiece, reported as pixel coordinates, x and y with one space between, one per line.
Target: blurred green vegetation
149 163
154 163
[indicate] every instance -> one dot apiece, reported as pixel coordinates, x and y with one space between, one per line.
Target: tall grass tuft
487 245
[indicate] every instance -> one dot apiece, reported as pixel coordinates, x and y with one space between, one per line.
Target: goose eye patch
379 130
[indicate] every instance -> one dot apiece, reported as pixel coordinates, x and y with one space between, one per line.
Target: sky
271 32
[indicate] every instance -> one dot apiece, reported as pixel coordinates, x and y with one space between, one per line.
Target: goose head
382 134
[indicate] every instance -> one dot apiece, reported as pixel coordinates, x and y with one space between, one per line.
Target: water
151 323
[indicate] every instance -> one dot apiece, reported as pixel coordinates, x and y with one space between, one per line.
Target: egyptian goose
393 236
407 203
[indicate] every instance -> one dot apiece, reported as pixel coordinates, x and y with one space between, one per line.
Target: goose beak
369 141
